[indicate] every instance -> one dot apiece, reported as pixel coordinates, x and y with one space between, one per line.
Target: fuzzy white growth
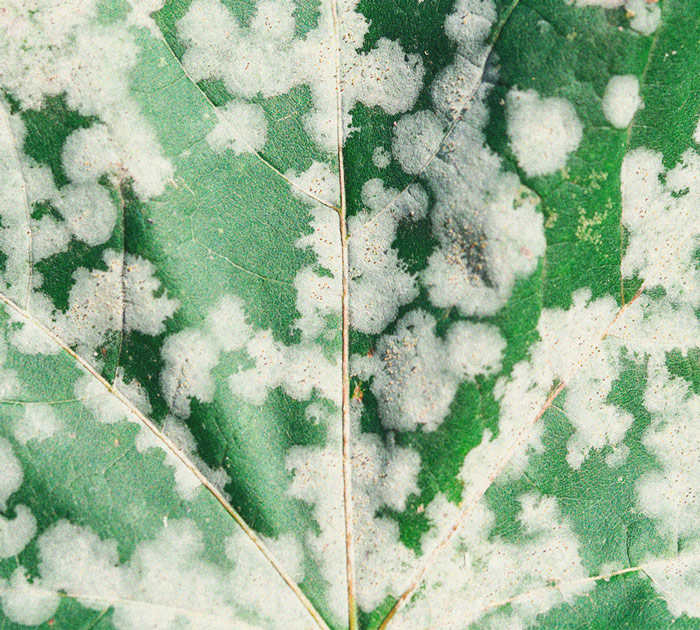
242 128
542 131
379 285
479 569
645 16
61 48
383 477
38 423
27 603
659 211
267 59
670 495
191 355
621 100
121 298
381 158
486 224
12 475
171 574
15 532
104 406
416 373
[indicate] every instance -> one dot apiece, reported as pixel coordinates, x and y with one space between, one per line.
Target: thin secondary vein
179 454
239 136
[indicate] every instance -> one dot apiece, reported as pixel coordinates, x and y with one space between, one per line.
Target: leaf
323 314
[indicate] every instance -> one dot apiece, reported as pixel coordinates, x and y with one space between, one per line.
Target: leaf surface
355 314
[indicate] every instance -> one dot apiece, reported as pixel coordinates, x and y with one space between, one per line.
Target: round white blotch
621 100
417 137
542 131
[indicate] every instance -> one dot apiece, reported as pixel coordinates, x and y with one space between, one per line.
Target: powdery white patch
144 310
621 100
242 128
487 227
12 475
172 578
107 408
677 581
88 154
659 211
124 297
542 131
15 208
61 48
383 476
191 355
381 158
25 602
416 374
88 211
480 570
38 423
49 237
645 16
15 532
267 59
379 284
670 495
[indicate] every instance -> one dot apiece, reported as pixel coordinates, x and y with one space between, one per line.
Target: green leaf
360 314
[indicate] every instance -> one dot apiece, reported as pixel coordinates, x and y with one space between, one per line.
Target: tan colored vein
521 439
255 539
347 446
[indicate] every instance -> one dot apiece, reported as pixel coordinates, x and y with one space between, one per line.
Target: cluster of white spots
645 15
39 422
381 158
192 354
123 298
242 128
168 582
379 284
15 533
482 571
659 209
621 100
486 224
542 131
52 49
267 59
383 476
416 374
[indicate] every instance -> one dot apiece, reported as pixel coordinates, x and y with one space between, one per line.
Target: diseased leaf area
488 207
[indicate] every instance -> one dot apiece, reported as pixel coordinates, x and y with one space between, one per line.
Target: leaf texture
349 314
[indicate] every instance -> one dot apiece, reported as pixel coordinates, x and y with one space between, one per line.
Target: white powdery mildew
659 211
54 48
15 532
242 127
39 422
488 230
416 374
645 16
478 570
621 100
383 476
267 59
542 131
121 298
191 355
379 285
168 582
